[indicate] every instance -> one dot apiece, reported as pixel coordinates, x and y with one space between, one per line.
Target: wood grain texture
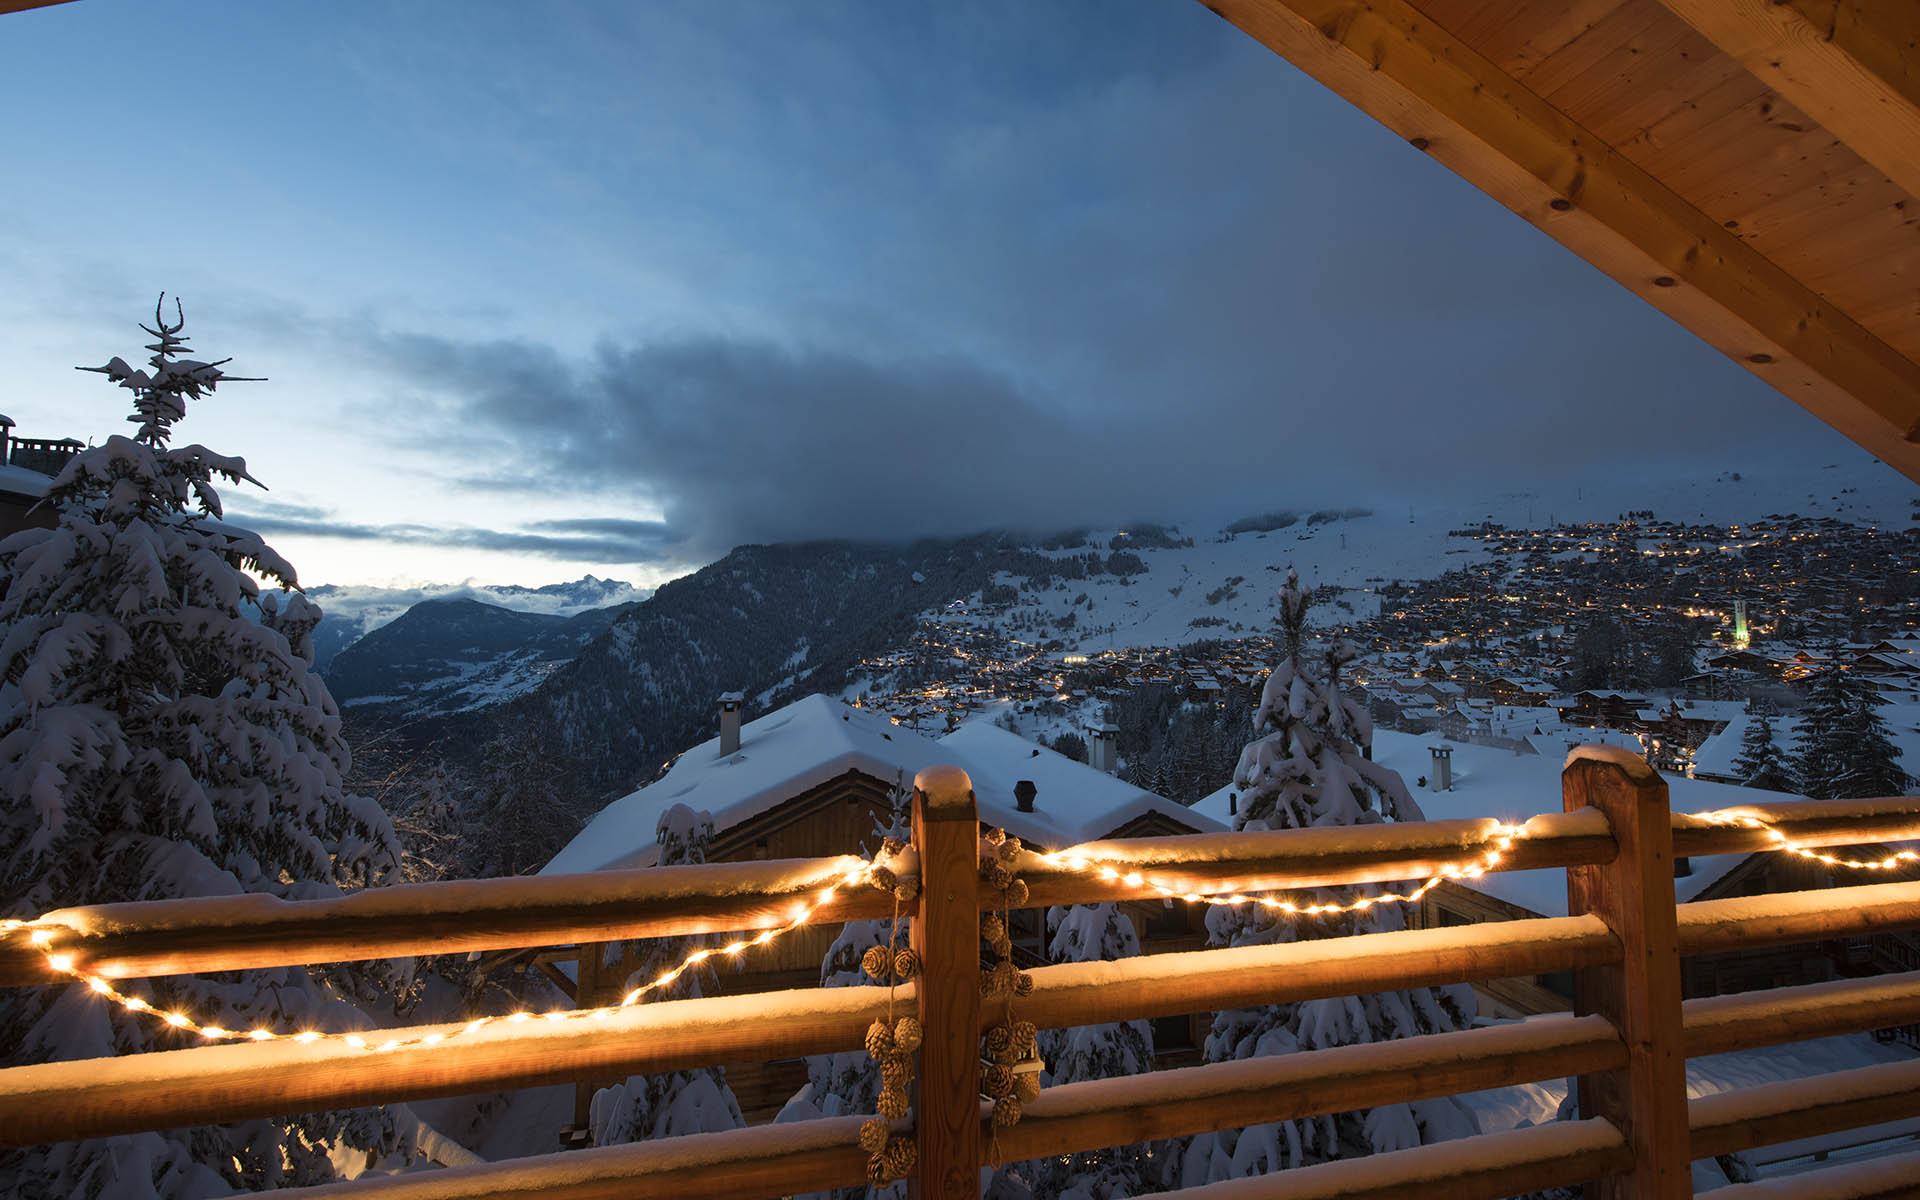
1496 131
1163 1104
60 1101
946 932
1849 65
1641 994
1796 1108
1775 1016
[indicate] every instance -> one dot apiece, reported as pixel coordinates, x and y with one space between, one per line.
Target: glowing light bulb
178 1020
62 963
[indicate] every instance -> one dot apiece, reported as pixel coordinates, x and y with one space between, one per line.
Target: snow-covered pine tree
1308 767
1843 749
1871 769
696 1100
848 1082
1094 933
1761 764
156 743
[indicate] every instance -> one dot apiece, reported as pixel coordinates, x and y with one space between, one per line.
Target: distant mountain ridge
355 610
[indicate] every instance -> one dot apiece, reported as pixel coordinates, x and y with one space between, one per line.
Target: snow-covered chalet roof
21 481
818 739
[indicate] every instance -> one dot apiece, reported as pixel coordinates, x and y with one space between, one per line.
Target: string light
41 937
1503 837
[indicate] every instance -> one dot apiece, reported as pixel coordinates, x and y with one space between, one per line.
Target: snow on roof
818 738
23 482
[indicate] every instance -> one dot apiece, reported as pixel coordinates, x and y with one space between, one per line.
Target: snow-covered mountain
353 611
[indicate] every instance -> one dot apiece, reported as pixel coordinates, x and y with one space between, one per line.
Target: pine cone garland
907 1034
997 1080
992 928
892 1103
1004 947
883 879
1005 974
1006 1112
1026 1088
1009 850
907 891
1000 876
906 964
995 836
879 1040
900 1157
999 1043
890 847
1016 893
1023 984
877 962
1025 1033
873 1136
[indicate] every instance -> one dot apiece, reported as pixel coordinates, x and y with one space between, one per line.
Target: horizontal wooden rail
1892 1178
1164 1104
59 1101
1775 1016
1818 823
740 1164
1797 1108
1480 1168
1287 860
226 933
1743 922
1162 985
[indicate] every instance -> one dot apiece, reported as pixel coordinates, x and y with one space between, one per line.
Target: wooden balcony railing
1627 1041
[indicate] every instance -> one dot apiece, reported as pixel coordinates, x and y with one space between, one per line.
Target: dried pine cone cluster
887 872
887 965
891 1157
1009 1047
1012 1042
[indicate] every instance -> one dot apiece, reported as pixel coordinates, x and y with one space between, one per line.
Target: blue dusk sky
549 288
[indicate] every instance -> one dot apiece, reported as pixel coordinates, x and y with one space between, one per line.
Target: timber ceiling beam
1388 59
1852 65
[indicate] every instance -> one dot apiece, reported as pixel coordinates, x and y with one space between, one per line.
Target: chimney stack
730 704
1105 746
1023 794
1442 768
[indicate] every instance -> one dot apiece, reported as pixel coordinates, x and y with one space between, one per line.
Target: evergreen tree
1870 767
696 1100
1760 764
1823 746
156 742
1093 933
1306 768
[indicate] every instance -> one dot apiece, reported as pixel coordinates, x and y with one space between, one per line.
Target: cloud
601 541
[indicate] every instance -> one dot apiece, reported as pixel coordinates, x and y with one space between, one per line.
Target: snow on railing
1623 943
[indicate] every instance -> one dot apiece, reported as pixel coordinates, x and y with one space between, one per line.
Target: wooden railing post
946 933
1641 996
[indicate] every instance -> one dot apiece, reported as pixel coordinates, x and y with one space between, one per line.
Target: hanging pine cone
999 1043
896 1070
883 879
1025 1034
898 1157
877 962
892 1103
1026 1088
1016 893
890 847
997 1080
1010 850
992 928
1004 976
873 1135
907 891
1000 876
1006 1112
995 836
907 1034
1004 947
879 1039
1023 984
989 986
877 1172
906 964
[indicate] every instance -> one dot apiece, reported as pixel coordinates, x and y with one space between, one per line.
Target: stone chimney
730 705
1105 746
1442 768
1023 794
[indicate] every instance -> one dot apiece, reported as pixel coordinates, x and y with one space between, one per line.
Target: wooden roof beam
1429 87
1852 65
